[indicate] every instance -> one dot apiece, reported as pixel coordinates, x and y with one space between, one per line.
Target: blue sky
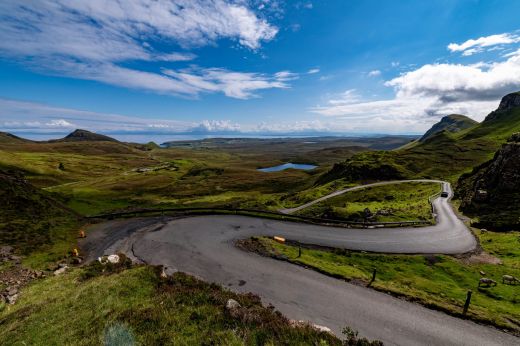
259 66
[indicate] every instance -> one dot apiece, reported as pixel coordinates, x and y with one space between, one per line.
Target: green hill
7 138
444 154
86 136
451 123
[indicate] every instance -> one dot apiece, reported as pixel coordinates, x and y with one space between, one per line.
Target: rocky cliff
492 191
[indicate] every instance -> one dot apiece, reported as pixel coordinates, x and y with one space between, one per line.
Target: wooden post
299 250
466 304
373 277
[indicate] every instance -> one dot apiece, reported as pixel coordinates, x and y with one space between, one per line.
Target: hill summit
451 123
9 138
507 103
86 136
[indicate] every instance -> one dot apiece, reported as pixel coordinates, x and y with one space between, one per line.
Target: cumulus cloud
473 46
458 82
92 39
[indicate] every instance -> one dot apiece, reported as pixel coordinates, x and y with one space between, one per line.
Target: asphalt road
204 246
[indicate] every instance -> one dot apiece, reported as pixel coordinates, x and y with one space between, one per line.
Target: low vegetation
387 203
436 281
136 306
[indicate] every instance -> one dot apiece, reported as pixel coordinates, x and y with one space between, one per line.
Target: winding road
204 246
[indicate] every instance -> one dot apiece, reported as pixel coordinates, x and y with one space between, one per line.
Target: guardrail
257 213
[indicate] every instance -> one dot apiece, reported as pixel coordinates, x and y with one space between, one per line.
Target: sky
257 67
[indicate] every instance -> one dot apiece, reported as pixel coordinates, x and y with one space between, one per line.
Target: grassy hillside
135 306
436 281
32 222
444 155
403 202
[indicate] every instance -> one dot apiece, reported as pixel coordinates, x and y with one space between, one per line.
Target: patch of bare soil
482 257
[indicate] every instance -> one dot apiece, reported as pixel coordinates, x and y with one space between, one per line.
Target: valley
52 190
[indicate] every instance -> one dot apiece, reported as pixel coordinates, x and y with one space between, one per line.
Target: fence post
373 277
466 304
299 250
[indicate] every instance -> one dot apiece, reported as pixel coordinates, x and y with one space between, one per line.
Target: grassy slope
33 222
436 281
180 311
405 202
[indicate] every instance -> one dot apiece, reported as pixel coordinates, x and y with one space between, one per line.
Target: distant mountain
7 138
86 136
444 154
450 123
491 191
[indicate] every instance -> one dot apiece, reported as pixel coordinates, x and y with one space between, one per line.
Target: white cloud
221 126
473 46
239 85
313 71
92 39
457 82
374 73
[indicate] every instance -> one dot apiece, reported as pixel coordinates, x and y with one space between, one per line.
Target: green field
436 281
387 203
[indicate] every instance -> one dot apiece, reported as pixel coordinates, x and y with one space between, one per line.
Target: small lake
285 166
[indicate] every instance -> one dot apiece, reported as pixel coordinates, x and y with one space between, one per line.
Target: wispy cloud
473 46
374 73
92 40
313 71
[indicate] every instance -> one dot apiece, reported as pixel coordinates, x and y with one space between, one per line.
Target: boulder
60 271
113 259
12 299
232 304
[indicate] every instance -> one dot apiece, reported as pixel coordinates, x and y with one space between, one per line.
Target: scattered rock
60 271
322 328
113 259
483 273
12 299
232 304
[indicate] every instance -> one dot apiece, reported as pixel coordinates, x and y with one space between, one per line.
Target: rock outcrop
492 191
507 103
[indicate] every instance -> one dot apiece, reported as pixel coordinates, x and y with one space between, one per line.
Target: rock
232 304
113 259
481 195
5 250
60 271
507 103
11 291
322 328
483 273
77 260
12 299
